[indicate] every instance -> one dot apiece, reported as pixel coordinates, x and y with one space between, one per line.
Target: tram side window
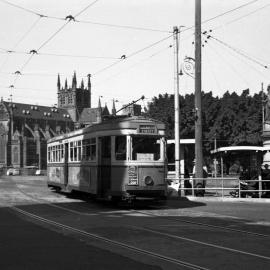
71 148
75 151
49 154
120 147
89 149
145 148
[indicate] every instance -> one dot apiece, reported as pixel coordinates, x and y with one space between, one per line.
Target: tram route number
132 175
147 129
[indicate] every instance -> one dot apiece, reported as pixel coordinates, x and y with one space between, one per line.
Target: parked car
13 171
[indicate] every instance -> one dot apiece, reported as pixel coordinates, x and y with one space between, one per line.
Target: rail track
141 228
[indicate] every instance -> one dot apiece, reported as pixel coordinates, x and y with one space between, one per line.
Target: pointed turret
66 85
74 81
113 108
82 85
89 89
58 82
99 112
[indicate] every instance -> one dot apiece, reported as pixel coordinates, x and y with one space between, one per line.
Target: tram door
104 179
65 169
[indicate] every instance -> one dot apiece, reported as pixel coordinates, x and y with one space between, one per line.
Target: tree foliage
231 119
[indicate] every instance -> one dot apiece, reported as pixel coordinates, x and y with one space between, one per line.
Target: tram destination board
132 175
147 129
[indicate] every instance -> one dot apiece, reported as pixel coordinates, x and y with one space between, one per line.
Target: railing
222 187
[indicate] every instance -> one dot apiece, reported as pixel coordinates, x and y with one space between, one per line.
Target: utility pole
176 104
198 95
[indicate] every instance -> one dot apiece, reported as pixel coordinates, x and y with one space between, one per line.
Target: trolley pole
198 98
176 105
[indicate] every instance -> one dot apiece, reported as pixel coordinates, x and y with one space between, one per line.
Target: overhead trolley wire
22 8
33 52
242 17
7 51
229 11
86 21
124 57
238 51
237 56
123 26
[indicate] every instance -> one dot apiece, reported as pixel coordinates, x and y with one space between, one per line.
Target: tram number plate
132 175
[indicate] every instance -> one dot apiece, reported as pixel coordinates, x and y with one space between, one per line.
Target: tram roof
121 122
240 148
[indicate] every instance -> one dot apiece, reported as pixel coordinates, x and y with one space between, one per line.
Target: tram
119 158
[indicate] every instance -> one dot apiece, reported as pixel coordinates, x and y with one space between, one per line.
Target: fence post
260 186
222 182
192 185
239 188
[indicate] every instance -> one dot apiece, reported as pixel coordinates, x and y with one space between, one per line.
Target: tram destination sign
132 175
147 129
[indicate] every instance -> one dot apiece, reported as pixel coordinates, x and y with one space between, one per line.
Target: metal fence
222 187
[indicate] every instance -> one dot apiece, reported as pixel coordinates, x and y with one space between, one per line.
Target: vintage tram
119 158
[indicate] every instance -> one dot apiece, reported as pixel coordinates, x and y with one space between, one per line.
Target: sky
234 58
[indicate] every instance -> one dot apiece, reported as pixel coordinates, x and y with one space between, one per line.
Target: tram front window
145 148
120 147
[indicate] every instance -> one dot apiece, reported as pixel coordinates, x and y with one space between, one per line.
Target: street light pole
198 98
176 104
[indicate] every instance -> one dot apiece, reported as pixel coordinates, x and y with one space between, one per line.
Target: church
25 128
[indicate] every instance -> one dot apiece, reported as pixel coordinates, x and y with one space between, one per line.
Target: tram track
152 215
203 224
109 241
145 229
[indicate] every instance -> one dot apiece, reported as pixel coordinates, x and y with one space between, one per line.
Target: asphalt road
40 229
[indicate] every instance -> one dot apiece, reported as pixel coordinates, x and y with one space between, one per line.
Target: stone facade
25 128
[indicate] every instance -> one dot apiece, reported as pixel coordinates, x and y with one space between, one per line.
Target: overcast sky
233 59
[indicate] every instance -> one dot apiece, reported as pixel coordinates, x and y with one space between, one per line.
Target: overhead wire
242 17
238 51
138 28
87 21
135 64
229 11
131 55
19 41
8 51
49 39
247 63
225 60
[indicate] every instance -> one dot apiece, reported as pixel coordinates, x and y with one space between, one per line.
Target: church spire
58 82
66 86
74 81
82 85
89 89
99 112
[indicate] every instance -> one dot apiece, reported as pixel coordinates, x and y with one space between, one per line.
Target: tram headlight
148 180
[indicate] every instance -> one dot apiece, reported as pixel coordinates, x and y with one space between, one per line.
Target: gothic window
62 100
15 155
69 99
2 149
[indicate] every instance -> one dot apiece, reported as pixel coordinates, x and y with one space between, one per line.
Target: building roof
89 115
37 111
240 148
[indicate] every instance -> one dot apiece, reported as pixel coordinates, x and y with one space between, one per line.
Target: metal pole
198 98
176 106
262 107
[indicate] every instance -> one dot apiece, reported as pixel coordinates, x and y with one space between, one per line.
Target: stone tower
74 99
